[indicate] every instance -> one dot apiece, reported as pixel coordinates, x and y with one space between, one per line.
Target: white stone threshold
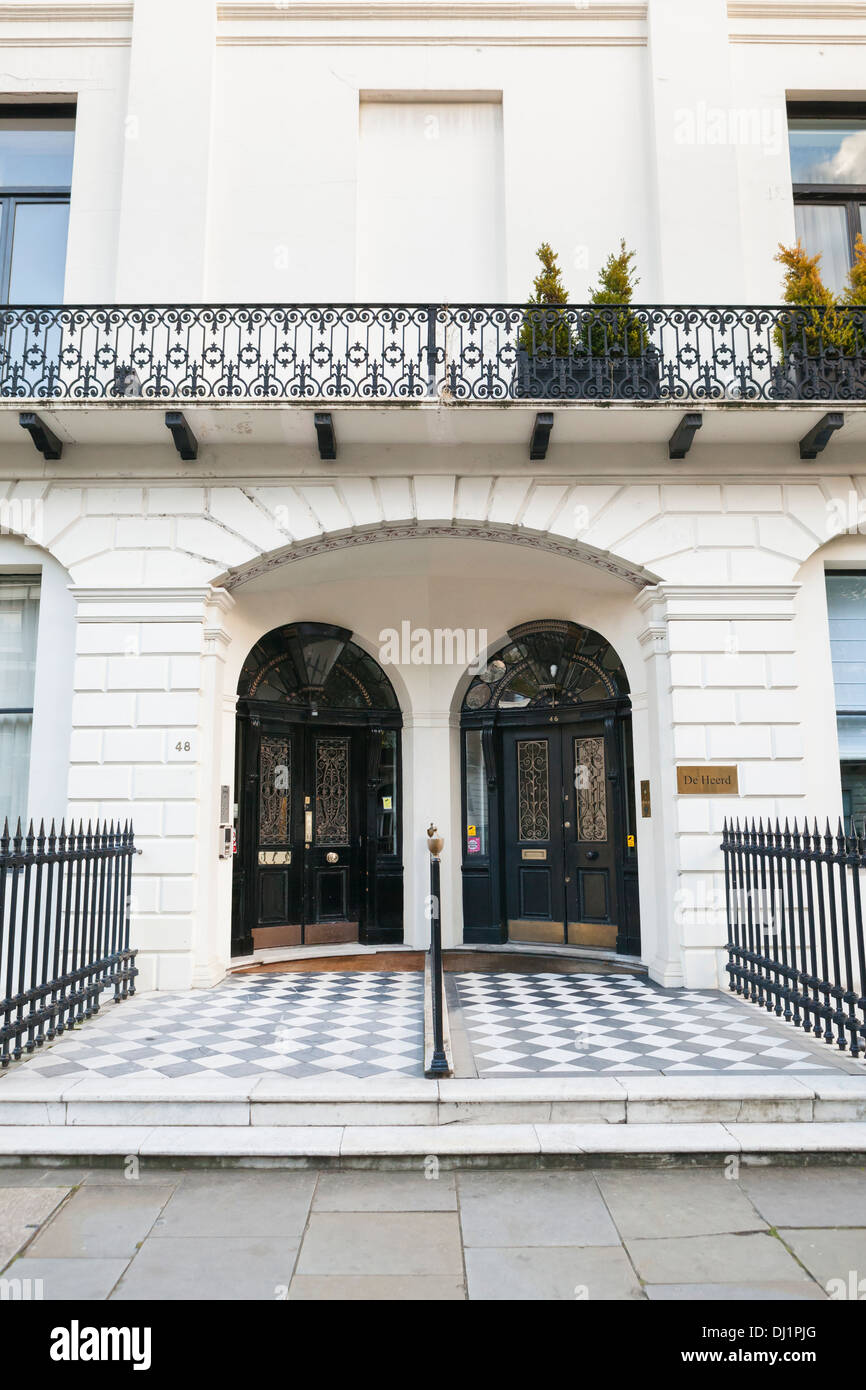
368 1144
270 1102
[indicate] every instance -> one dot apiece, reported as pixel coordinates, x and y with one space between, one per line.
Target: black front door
301 837
562 830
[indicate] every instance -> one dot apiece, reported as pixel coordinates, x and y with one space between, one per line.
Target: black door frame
380 874
484 896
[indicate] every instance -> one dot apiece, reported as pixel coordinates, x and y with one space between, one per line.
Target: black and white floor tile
359 1024
572 1024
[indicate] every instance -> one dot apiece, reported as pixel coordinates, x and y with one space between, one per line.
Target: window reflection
828 151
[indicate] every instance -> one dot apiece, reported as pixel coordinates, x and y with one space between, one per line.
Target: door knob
592 854
331 856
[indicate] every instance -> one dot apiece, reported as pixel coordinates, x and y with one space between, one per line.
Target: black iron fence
494 352
795 926
64 929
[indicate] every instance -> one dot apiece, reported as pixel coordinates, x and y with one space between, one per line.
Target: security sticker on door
182 747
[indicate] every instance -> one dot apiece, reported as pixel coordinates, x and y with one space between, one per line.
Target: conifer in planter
822 351
581 353
616 338
545 345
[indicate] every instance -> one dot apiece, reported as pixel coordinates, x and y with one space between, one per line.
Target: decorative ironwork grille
591 788
405 352
275 782
796 942
64 929
332 791
533 790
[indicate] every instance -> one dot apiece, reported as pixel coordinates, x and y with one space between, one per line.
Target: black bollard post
439 1062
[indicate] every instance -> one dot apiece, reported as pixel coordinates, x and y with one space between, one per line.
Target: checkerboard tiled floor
570 1024
364 1024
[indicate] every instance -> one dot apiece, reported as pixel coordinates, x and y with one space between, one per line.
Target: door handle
308 826
592 854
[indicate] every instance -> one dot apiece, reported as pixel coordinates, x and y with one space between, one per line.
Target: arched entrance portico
548 807
319 856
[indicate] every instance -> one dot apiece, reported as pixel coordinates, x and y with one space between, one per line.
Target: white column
693 145
431 792
212 927
162 237
657 849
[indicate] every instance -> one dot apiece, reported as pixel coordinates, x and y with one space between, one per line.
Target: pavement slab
382 1243
807 1196
706 1202
22 1211
551 1273
533 1209
105 1223
714 1259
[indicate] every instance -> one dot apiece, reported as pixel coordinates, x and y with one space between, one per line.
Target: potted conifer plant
593 353
624 363
821 339
545 343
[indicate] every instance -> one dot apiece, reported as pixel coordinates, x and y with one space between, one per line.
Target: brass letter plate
275 856
533 854
707 780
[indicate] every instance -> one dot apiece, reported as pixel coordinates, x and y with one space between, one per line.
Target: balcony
213 359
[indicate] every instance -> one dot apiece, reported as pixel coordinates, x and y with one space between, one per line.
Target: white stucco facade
233 177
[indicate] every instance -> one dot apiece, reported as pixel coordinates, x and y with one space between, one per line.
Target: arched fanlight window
548 663
315 665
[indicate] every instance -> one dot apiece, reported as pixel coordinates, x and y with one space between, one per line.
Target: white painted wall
219 158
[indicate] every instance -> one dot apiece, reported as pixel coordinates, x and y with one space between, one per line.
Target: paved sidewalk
706 1233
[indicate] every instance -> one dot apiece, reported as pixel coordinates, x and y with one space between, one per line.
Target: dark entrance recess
549 829
317 778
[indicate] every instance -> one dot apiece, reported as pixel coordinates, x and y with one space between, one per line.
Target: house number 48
181 748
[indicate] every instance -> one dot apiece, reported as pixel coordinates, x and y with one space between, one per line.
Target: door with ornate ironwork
317 775
560 835
302 832
332 839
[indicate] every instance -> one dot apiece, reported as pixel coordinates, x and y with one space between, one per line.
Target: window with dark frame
36 148
827 144
846 612
19 624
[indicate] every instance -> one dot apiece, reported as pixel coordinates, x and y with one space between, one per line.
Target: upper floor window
36 145
828 169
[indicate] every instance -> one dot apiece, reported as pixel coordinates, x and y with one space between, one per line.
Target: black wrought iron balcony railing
457 352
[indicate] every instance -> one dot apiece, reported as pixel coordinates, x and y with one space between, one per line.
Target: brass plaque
533 854
551 932
592 934
645 803
707 780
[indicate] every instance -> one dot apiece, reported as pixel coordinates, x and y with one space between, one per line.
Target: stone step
410 1145
395 1102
